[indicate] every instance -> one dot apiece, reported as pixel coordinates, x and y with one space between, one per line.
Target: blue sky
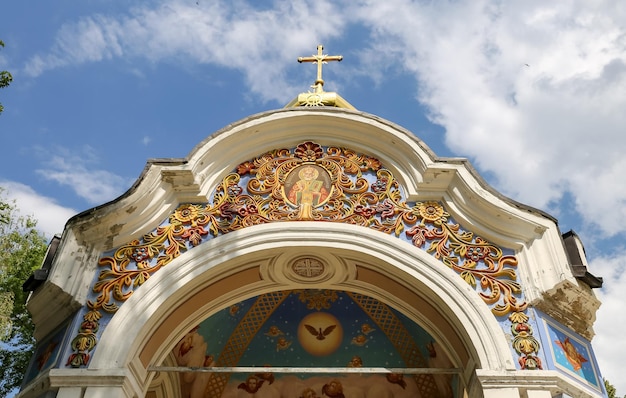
532 93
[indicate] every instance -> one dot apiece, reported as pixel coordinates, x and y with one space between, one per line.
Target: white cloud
50 216
543 129
553 126
534 93
73 170
259 43
609 343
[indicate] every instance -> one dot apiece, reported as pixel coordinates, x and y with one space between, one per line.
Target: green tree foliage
610 390
5 78
22 249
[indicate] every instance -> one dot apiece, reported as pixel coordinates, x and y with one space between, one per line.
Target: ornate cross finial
320 59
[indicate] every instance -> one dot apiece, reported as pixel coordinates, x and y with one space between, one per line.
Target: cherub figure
251 385
333 389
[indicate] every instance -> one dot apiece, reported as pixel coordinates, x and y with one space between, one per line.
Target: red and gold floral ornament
524 342
379 205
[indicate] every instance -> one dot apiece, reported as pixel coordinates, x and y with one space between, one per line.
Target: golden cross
320 59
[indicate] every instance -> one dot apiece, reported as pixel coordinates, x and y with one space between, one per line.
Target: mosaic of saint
307 187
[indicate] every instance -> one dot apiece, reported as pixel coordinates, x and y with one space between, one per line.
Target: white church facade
313 251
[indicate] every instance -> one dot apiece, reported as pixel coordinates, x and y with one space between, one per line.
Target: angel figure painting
571 353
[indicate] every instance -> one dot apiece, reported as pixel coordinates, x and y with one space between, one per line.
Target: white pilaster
539 394
107 392
70 392
508 392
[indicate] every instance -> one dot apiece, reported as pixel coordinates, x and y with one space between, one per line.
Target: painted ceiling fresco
307 329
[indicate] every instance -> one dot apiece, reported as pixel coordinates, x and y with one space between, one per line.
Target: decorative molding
308 269
307 183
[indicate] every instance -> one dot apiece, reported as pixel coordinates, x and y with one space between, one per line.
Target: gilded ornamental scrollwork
311 183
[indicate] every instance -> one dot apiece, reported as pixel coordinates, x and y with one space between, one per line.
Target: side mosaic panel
47 353
568 352
311 183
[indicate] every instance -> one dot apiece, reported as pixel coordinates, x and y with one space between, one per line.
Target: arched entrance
258 286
